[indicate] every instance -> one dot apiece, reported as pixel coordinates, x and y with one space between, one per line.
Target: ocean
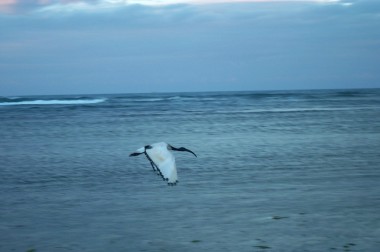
276 171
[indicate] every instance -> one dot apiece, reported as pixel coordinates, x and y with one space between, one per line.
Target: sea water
276 171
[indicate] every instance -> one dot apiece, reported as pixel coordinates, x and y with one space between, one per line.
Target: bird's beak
184 149
181 149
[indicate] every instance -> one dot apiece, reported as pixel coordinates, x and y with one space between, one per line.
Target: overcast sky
118 46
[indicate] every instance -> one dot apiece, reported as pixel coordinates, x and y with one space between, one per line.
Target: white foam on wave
53 102
175 98
148 99
157 99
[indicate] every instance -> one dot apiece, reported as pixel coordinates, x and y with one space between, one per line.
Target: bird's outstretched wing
165 162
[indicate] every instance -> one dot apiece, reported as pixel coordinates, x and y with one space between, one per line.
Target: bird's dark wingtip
173 183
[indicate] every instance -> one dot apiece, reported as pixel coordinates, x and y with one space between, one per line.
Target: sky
131 46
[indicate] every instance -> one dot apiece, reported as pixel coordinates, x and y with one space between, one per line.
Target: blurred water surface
276 171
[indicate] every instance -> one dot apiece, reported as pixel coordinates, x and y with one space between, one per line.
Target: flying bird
162 160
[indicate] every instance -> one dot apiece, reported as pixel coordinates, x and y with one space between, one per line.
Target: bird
162 160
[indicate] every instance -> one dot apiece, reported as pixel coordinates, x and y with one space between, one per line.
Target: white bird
162 160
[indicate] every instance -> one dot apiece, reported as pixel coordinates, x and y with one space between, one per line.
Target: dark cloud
137 48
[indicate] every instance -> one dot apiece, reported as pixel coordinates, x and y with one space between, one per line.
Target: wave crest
20 101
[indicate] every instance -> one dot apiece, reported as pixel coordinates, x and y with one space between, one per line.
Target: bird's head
180 149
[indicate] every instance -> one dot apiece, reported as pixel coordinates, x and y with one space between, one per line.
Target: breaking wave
27 101
154 99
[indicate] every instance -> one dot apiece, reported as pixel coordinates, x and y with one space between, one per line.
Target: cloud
6 5
116 46
65 6
24 6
